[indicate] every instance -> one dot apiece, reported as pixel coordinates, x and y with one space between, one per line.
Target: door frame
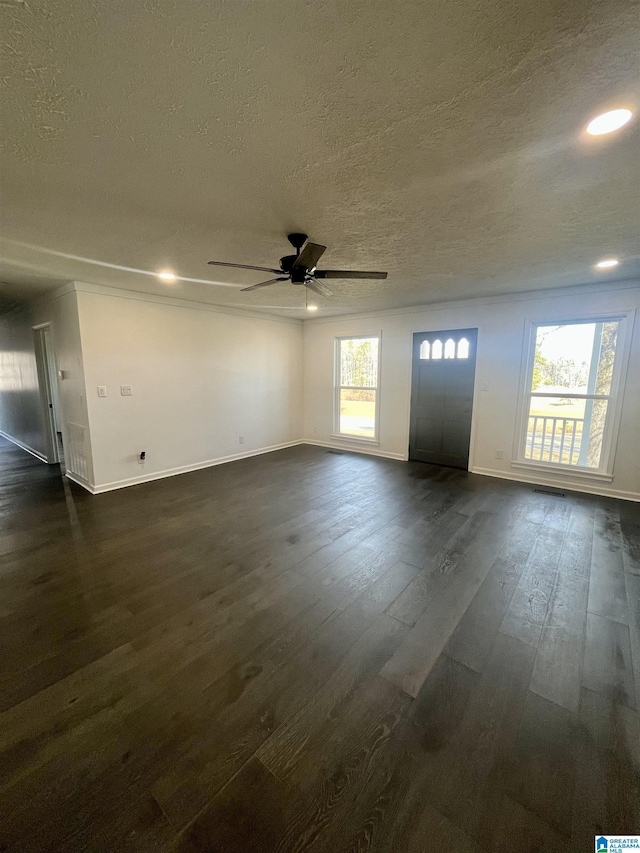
46 368
476 384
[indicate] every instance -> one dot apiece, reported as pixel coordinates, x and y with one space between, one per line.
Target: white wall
21 413
60 310
200 377
501 323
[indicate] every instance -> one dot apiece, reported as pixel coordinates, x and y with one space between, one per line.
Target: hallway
315 651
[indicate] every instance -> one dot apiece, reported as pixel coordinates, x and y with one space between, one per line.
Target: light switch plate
126 391
102 390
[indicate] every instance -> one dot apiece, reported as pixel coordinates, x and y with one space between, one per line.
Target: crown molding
176 302
521 296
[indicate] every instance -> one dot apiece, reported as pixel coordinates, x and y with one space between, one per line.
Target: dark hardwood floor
309 651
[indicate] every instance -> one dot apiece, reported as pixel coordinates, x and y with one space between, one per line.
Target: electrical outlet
142 457
102 390
484 386
126 391
499 454
315 430
241 439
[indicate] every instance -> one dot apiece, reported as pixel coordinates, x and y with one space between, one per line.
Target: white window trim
616 395
344 436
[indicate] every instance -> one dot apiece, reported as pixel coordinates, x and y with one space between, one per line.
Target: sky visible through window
574 341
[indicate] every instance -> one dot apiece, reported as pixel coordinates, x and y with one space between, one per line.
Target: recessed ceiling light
607 263
167 275
608 122
312 307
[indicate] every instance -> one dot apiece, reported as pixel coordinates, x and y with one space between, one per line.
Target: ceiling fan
301 268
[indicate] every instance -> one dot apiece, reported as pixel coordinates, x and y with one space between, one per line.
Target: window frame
337 387
615 397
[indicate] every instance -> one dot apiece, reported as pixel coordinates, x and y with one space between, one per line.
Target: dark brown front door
444 365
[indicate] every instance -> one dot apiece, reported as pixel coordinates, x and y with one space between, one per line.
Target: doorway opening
442 383
47 380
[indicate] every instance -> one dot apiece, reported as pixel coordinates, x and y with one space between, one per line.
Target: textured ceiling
439 140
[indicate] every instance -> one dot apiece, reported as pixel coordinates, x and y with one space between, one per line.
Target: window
571 391
428 351
357 365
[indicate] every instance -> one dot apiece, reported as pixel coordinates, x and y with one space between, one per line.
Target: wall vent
549 492
336 452
75 454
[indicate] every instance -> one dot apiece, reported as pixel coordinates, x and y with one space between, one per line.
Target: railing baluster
554 427
564 427
573 440
533 439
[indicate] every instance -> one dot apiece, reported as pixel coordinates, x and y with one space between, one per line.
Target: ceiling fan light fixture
167 275
608 122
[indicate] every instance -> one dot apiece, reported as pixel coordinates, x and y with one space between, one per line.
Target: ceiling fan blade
310 256
242 266
349 274
262 284
318 287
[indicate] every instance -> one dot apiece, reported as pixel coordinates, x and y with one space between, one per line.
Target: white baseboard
79 480
540 480
185 469
24 446
347 448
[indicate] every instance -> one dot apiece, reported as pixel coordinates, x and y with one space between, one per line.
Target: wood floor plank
575 556
452 585
528 607
630 531
412 604
513 829
607 667
247 814
330 781
389 812
468 775
558 667
286 753
541 769
632 582
607 590
607 792
472 640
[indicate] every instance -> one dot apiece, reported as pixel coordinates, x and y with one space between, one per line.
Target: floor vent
548 492
336 452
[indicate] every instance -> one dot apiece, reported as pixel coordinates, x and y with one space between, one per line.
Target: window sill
582 473
358 439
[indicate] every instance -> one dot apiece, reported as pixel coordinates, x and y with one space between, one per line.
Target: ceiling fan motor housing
286 263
